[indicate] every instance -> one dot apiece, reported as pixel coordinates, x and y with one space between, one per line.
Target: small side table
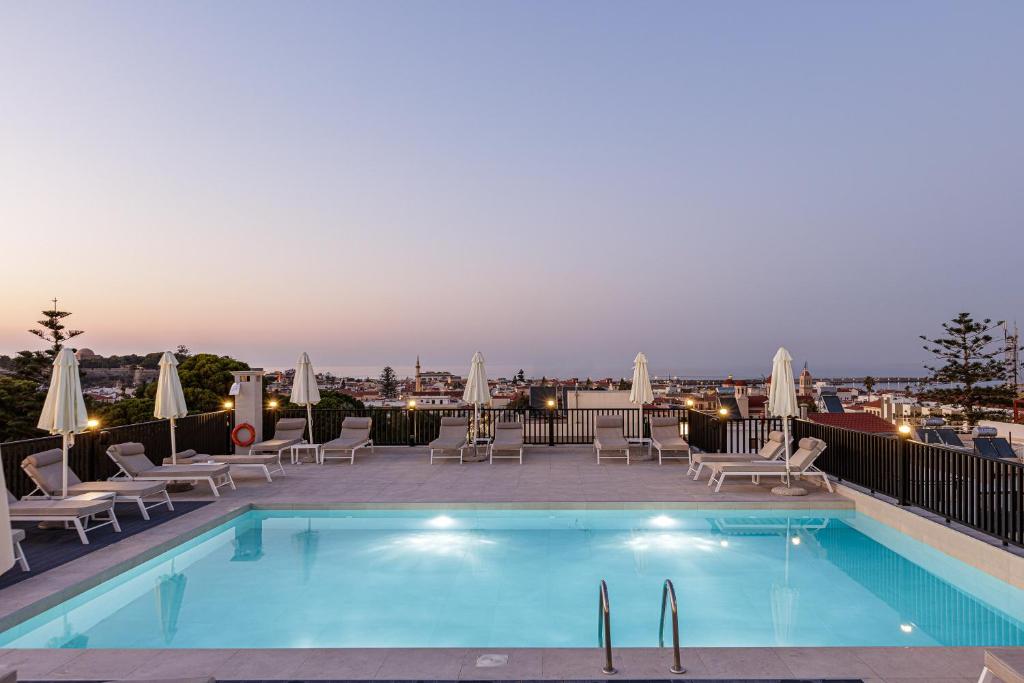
297 450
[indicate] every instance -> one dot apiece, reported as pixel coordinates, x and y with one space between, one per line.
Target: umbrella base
180 487
471 456
785 490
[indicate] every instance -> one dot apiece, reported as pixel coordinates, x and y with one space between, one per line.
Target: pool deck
550 477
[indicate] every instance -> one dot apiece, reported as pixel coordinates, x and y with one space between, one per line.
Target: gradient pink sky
558 185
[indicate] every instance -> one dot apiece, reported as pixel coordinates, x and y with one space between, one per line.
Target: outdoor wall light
412 404
904 429
690 403
272 404
723 412
551 403
93 423
228 405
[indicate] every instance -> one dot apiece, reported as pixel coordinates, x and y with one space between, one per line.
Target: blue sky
557 184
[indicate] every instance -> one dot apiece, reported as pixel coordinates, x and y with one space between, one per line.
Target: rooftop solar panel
929 436
984 448
1004 449
832 403
949 437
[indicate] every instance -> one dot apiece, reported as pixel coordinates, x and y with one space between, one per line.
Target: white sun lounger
609 436
665 438
288 432
508 438
266 463
453 437
74 513
801 465
772 449
355 434
133 464
44 469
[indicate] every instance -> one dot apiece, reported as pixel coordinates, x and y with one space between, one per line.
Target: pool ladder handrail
668 596
604 627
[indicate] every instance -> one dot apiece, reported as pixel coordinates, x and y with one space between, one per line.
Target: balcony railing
205 432
401 426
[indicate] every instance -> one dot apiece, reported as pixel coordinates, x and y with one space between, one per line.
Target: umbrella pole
174 445
785 431
64 471
309 419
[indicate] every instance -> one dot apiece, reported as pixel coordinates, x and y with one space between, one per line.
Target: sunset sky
556 184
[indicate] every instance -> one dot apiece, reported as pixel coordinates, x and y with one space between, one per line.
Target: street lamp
723 412
272 405
411 404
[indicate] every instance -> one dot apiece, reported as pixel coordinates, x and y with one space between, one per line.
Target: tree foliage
20 405
53 331
331 400
969 363
388 383
869 383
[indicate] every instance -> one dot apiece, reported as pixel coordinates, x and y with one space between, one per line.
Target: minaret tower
419 385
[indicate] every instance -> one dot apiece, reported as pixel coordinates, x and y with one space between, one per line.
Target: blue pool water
528 578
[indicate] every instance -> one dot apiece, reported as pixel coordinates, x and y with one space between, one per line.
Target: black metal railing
963 487
713 434
205 432
420 426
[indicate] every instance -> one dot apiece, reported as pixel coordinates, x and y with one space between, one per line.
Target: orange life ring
245 426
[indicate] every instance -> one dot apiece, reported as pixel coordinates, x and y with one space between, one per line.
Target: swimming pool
528 578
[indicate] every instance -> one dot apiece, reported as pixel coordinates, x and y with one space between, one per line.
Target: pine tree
388 383
971 363
54 330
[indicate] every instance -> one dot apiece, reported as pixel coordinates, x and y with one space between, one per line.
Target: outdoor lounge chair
355 434
44 469
1003 664
665 438
801 464
608 436
79 514
451 438
267 463
17 536
508 438
133 464
773 448
288 432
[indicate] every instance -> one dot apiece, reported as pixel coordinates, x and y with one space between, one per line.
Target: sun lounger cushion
185 471
35 509
453 433
508 435
666 436
772 448
131 457
288 431
355 431
45 470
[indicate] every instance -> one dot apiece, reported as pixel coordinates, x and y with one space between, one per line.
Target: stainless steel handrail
604 627
668 596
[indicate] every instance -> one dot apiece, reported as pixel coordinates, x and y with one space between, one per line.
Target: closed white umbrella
641 393
477 391
782 403
6 547
64 409
170 399
305 392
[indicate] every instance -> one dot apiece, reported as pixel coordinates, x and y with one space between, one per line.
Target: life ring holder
244 427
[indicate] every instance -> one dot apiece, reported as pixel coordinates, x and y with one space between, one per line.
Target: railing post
551 426
904 466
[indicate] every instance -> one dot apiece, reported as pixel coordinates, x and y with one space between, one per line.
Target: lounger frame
442 451
165 498
368 443
809 471
210 479
80 523
19 555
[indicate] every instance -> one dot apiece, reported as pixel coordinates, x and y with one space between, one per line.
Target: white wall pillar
249 401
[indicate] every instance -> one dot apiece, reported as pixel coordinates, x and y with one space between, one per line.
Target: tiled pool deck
566 475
